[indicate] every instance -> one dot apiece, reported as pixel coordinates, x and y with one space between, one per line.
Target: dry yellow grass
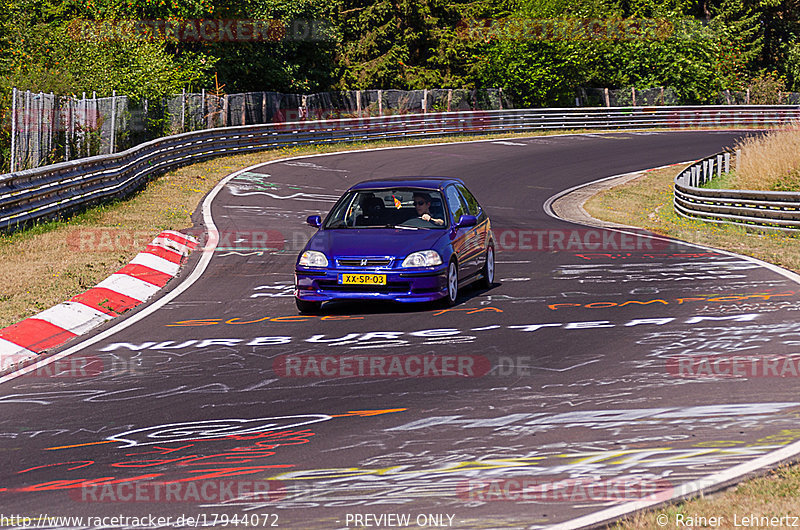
773 495
647 203
769 162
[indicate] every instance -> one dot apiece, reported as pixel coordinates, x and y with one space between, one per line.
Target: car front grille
358 262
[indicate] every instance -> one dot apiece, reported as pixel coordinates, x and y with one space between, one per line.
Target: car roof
432 183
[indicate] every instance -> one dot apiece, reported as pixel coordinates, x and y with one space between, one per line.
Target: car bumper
401 286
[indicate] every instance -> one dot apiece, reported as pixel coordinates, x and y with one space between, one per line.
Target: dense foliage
538 51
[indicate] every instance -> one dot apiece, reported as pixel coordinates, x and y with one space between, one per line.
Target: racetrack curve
574 393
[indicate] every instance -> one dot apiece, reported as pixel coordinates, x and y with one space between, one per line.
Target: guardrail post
358 103
144 113
183 109
68 127
263 107
23 136
26 122
225 110
114 120
727 162
53 123
83 122
13 127
710 174
302 111
41 154
425 101
719 165
380 103
203 107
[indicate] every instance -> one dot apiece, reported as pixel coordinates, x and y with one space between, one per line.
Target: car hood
374 241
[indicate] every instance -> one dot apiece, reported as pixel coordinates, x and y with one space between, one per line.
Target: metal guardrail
773 210
55 190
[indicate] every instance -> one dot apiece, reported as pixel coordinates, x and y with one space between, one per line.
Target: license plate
362 279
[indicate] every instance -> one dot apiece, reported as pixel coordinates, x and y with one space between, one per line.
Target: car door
481 232
463 238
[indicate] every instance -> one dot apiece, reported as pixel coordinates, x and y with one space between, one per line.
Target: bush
765 89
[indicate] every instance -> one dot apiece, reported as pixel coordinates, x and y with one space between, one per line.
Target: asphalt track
571 386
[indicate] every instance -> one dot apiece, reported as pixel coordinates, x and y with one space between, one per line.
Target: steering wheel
418 222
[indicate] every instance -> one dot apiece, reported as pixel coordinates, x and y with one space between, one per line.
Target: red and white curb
130 286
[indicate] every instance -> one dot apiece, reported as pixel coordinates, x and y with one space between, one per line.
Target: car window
455 202
384 207
472 204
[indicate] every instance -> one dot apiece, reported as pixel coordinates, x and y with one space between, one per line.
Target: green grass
725 181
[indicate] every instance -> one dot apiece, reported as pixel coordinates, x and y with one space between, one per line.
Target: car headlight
425 258
312 258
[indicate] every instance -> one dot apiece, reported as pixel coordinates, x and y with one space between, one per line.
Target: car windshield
408 208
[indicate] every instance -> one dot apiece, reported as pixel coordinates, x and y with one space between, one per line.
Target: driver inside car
422 202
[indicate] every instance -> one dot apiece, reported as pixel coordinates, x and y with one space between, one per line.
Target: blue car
404 240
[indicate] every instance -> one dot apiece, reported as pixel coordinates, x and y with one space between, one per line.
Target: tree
406 44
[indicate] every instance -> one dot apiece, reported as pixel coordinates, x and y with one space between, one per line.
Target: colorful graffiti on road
189 451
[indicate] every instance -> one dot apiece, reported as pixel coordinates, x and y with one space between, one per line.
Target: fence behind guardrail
54 190
46 128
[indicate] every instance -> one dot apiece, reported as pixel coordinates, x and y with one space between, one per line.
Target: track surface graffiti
579 392
188 451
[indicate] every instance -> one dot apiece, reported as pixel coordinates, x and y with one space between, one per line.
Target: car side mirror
314 220
467 221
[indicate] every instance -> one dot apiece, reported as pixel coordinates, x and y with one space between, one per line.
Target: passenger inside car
373 212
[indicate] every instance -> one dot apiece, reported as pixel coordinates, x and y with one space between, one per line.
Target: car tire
305 307
452 284
487 281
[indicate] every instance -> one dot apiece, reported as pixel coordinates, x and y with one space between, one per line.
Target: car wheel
452 284
488 269
305 307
